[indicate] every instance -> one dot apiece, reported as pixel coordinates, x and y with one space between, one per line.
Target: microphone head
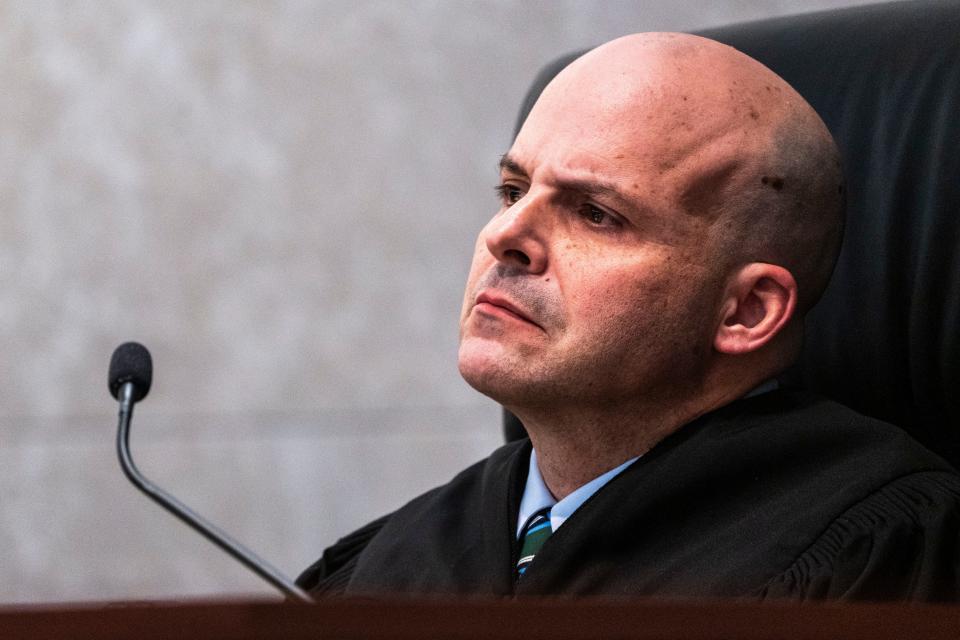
131 362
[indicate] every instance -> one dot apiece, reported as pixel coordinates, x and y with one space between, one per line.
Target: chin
504 377
491 371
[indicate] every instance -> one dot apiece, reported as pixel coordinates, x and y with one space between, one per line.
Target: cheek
604 282
645 303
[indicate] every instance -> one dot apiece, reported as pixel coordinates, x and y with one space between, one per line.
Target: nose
518 236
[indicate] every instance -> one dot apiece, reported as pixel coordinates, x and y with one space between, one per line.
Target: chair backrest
885 338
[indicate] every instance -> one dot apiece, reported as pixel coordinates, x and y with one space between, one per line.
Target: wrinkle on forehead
661 168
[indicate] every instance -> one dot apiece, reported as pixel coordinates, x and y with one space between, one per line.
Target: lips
492 303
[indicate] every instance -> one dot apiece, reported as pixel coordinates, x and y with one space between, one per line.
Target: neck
567 460
576 444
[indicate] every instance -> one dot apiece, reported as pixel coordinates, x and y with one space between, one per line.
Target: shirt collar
536 496
769 385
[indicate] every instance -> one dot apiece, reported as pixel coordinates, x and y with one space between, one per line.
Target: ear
759 302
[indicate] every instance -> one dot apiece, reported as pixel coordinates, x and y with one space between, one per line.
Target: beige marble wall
280 200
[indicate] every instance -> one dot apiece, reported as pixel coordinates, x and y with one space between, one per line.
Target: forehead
664 149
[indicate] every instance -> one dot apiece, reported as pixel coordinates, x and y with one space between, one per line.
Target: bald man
669 211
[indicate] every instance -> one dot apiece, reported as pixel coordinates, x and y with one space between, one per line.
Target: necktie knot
534 534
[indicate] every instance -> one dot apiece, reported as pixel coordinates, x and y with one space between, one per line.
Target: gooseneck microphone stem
249 559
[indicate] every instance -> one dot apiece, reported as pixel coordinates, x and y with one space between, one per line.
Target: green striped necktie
535 533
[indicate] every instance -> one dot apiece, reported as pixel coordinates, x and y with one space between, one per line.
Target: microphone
131 372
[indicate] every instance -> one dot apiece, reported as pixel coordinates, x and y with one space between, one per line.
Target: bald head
666 208
733 146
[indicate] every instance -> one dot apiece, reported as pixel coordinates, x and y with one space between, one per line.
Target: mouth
492 304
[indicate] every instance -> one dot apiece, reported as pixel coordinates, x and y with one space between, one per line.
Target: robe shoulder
332 573
784 495
900 543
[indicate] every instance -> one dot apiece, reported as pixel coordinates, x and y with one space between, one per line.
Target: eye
598 217
508 193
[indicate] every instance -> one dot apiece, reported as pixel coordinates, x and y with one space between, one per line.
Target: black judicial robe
782 495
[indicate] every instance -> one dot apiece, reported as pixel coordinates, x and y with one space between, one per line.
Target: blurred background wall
280 200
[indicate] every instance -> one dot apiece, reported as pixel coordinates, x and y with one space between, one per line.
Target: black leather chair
885 338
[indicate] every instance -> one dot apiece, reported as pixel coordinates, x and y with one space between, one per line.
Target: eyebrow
509 164
589 187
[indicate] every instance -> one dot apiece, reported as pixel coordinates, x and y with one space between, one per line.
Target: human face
590 285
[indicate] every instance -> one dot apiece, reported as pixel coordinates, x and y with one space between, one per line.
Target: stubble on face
609 330
496 352
540 300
